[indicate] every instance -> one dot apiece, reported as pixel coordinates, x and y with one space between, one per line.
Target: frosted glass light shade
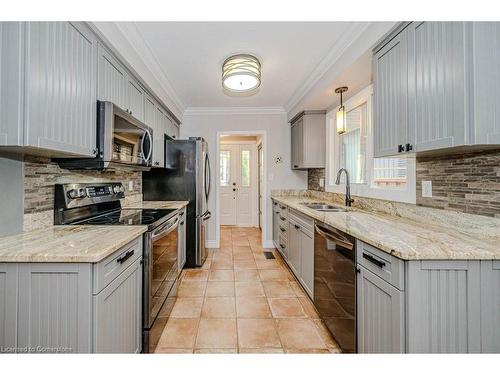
341 120
241 73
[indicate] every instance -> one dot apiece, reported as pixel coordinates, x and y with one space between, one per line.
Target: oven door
126 140
160 268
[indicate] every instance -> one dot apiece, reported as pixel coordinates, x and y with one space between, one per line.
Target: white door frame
263 135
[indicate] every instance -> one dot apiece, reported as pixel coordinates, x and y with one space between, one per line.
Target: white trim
202 111
211 244
269 244
407 195
263 134
348 37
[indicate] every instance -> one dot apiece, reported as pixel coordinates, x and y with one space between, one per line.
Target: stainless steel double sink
324 207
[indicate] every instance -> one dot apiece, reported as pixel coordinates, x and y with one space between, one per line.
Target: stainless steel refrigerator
186 177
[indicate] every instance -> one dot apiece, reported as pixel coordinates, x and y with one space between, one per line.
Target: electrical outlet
427 189
130 185
321 182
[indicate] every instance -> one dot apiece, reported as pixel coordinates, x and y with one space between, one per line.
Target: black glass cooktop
128 217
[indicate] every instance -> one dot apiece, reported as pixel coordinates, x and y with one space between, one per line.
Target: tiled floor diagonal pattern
241 302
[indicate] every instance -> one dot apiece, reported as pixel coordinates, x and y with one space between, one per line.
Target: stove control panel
85 194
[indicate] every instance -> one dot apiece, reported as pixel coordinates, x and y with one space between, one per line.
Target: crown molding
199 111
349 37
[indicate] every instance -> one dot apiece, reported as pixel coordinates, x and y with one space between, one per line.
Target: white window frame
366 189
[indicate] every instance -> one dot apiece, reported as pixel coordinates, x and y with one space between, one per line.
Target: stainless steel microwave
122 141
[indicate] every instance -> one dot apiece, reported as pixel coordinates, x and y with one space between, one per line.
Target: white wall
279 176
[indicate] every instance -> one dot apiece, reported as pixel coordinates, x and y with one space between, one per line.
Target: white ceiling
190 54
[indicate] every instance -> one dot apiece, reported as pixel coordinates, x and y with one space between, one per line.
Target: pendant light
341 118
241 73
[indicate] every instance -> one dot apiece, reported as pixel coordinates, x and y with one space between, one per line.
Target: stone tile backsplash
40 176
467 183
313 176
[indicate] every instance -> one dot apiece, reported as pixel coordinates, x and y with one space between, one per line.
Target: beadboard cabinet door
380 315
438 74
307 261
60 86
135 99
11 83
390 81
112 84
443 306
150 119
8 307
486 84
490 306
55 307
117 313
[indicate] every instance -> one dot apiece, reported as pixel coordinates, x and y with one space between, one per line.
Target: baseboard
211 244
269 244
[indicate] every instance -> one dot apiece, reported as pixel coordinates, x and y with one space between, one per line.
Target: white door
237 184
261 179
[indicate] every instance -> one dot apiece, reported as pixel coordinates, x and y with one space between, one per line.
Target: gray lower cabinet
117 315
379 315
294 248
443 306
308 140
276 224
55 307
8 307
307 261
490 306
73 307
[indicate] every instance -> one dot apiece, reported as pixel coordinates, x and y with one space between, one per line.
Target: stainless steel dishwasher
335 283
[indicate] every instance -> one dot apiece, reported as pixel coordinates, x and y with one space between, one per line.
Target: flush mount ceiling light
241 73
341 120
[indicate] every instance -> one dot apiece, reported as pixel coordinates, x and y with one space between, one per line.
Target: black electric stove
128 216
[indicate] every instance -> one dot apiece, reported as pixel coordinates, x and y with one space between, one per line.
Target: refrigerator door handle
207 177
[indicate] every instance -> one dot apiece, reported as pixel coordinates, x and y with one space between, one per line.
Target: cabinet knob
401 148
295 166
408 147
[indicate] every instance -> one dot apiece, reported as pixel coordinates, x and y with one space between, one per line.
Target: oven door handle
164 229
336 238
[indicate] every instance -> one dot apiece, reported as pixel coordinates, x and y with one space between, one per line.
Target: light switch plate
321 182
130 185
427 189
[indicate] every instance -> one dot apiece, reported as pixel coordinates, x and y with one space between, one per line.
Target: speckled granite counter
157 205
403 237
71 243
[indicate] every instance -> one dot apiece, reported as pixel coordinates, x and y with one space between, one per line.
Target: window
225 167
383 178
245 168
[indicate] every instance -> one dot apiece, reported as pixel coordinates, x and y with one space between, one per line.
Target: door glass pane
245 168
225 170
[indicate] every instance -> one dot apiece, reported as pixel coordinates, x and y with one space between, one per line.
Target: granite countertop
157 205
402 237
68 243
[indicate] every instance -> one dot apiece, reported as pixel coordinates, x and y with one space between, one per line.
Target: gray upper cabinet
112 81
486 83
8 307
60 94
380 315
438 84
436 87
135 99
390 80
11 83
117 324
308 140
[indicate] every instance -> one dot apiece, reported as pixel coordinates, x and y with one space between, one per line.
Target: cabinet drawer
283 245
304 222
283 229
387 267
109 268
283 209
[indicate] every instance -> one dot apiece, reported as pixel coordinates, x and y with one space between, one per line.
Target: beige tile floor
239 302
